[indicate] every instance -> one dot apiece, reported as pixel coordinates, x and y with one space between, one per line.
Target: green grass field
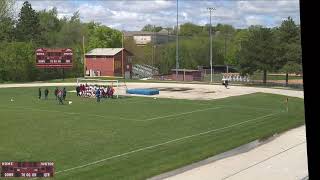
134 137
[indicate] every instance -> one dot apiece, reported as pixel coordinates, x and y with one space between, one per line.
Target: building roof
104 51
145 33
186 70
137 33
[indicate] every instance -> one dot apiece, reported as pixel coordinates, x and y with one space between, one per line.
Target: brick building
108 62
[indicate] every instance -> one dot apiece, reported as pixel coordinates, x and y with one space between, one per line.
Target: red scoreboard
54 58
26 169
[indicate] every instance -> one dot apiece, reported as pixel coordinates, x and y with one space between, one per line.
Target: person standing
60 96
64 93
56 93
39 93
78 90
46 92
98 95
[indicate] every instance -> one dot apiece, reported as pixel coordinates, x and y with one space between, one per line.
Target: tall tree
289 48
49 26
6 8
257 51
28 26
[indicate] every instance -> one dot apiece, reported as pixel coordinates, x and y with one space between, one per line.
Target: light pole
177 45
211 9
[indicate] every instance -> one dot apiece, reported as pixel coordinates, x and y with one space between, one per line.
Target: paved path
284 158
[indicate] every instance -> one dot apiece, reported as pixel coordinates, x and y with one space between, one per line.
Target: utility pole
211 9
122 56
225 51
177 44
84 58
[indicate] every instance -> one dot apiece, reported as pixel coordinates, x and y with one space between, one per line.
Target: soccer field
133 137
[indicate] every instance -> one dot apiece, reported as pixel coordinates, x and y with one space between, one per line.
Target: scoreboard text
54 58
26 169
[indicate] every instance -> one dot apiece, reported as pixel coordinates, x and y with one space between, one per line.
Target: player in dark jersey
39 93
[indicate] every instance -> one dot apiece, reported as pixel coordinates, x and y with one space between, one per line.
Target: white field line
164 143
179 114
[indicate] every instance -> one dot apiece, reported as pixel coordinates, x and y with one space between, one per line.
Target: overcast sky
133 15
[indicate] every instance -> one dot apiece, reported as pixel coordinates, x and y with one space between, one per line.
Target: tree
28 26
151 28
6 8
49 27
189 29
289 48
103 37
257 51
6 29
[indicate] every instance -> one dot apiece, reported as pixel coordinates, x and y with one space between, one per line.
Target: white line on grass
167 142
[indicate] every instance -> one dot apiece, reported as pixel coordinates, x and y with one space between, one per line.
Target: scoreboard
54 58
26 169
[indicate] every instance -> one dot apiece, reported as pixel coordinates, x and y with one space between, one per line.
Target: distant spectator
46 92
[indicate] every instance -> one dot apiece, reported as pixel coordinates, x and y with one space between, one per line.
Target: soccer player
64 93
78 90
60 96
56 92
98 95
46 92
39 93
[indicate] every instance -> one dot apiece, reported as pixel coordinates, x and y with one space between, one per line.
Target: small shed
187 75
108 62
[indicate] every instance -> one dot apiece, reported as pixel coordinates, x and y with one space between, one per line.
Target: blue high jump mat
143 91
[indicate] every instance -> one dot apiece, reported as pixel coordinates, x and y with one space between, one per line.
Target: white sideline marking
167 142
179 114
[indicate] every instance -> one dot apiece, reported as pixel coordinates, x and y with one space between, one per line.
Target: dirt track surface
181 91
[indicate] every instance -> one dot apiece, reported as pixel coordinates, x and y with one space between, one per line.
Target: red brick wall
104 65
118 58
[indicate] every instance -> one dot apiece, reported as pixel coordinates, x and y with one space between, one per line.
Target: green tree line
256 48
19 37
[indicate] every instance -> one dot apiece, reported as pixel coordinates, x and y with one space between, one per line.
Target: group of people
85 90
60 94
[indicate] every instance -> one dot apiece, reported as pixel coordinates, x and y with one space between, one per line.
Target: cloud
133 15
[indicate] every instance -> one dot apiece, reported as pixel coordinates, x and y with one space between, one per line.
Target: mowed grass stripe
220 141
167 142
112 117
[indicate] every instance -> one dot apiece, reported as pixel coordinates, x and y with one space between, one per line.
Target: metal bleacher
144 71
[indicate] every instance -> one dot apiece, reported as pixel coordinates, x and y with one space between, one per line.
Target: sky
132 15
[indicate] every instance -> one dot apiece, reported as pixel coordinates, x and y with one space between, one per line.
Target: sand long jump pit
204 91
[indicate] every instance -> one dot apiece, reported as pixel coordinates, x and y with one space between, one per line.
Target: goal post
100 82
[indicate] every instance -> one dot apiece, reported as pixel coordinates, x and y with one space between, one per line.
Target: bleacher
144 71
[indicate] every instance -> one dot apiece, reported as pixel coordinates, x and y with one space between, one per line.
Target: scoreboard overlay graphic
26 169
54 58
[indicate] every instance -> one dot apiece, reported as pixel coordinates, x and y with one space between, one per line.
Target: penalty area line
164 143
